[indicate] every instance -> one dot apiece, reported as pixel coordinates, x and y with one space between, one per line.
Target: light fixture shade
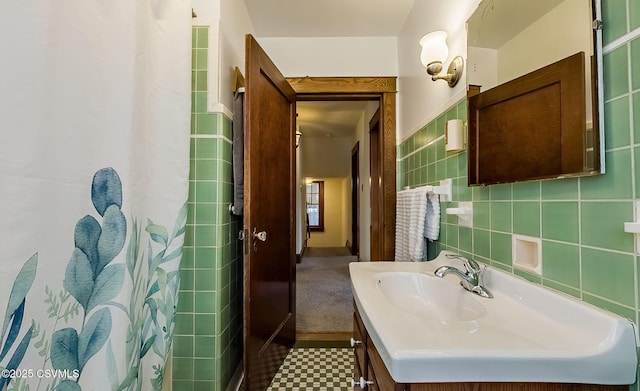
298 136
434 48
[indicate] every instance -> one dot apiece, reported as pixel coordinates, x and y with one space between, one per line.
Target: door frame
355 204
375 176
367 88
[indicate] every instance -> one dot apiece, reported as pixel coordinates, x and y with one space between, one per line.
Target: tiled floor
315 369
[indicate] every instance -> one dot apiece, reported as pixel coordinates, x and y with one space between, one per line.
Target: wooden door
355 206
375 160
269 264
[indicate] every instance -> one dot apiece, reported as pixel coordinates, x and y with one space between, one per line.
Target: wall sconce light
298 135
454 136
434 53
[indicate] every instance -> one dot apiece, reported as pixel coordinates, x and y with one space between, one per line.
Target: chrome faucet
471 280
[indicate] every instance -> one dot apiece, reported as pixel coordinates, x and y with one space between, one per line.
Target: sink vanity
415 331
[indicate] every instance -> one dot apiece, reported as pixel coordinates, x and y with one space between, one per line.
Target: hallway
323 296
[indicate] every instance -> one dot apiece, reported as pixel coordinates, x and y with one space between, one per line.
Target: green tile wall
585 251
207 347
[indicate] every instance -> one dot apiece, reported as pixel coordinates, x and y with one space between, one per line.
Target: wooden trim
327 336
473 90
355 199
304 248
387 127
237 80
366 88
375 174
339 97
342 85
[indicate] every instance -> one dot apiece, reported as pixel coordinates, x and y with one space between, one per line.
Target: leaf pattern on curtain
93 288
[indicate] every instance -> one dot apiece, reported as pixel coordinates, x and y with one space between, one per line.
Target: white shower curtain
94 160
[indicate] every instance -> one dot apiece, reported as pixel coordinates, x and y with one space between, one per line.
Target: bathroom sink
429 329
429 297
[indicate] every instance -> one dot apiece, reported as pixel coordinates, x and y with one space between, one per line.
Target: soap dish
527 253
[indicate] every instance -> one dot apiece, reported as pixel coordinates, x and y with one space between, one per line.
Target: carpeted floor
324 303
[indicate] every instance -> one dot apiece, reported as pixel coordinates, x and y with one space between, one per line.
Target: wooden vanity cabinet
359 347
369 365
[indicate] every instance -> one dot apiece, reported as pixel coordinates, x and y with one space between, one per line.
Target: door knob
261 236
354 342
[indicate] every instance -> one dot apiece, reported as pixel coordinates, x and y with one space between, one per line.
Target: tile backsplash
585 251
207 346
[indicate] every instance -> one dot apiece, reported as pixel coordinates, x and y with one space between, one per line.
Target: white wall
326 157
538 45
206 10
420 99
228 22
235 23
301 211
482 67
333 56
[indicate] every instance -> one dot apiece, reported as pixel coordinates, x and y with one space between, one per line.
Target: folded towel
403 211
432 217
417 224
238 154
411 209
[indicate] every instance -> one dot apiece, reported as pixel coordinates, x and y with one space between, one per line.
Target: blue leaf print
158 233
153 308
107 285
175 254
114 232
68 385
13 330
106 190
21 286
64 349
154 288
93 335
181 221
147 345
78 278
18 355
86 236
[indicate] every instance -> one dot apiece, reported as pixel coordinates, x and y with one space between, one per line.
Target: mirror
507 39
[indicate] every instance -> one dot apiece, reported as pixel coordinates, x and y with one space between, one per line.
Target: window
315 205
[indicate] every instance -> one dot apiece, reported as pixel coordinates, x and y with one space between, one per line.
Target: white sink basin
429 297
429 329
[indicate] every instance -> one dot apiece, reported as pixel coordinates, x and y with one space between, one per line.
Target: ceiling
328 18
327 119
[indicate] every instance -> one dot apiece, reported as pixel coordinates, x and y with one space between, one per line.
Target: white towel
432 218
416 224
411 210
403 210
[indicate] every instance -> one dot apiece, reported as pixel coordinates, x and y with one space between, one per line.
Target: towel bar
445 189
